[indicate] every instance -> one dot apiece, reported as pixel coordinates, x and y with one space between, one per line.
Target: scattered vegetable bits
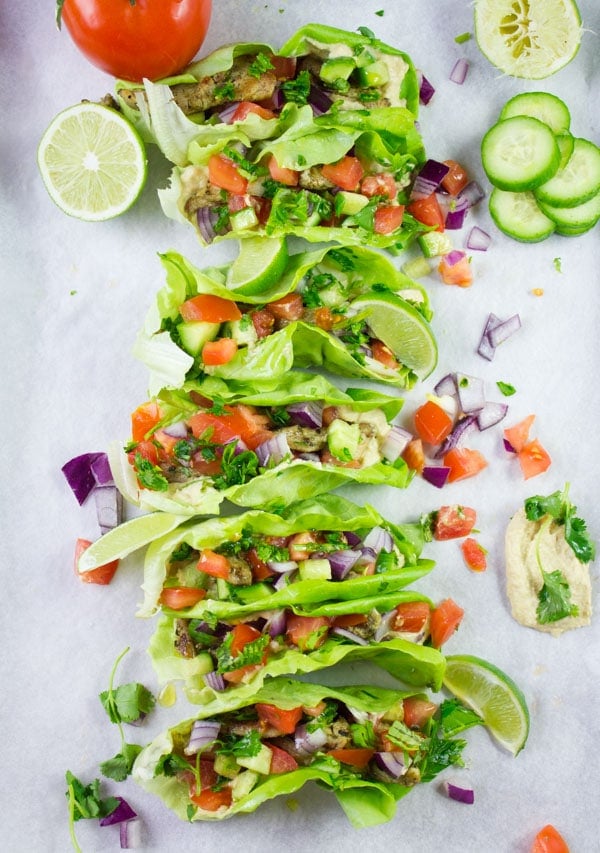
474 554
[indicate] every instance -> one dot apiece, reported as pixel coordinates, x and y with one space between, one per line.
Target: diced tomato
383 354
445 619
381 185
235 203
283 720
474 554
549 840
463 462
143 420
459 273
167 443
101 575
262 207
432 423
209 309
178 597
453 522
281 174
223 173
456 179
414 456
411 616
260 569
297 545
206 467
518 435
244 108
357 757
307 632
330 413
417 711
213 564
238 422
281 761
289 307
428 211
347 173
324 318
263 322
387 218
533 459
241 635
212 801
348 620
327 458
219 352
147 450
315 710
284 67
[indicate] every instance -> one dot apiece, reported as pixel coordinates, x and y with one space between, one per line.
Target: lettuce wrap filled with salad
192 449
368 745
325 308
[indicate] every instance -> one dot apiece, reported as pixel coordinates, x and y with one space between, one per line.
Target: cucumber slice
578 182
518 215
565 231
195 334
519 154
541 105
566 143
582 216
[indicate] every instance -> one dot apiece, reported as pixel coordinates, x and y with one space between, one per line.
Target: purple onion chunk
460 429
491 414
109 507
80 476
226 114
391 763
307 742
308 414
485 347
101 470
455 217
446 386
379 539
395 443
473 193
341 562
503 330
459 793
478 240
429 179
471 394
203 733
437 475
352 538
350 635
273 451
319 100
215 680
459 72
130 834
426 90
207 219
122 812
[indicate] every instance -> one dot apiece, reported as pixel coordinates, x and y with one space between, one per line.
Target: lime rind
493 695
259 265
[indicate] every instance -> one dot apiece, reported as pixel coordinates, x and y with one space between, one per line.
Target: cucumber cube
314 570
194 335
336 68
374 75
243 784
259 763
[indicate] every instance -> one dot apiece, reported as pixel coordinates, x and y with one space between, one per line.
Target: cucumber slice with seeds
518 216
541 105
519 154
578 182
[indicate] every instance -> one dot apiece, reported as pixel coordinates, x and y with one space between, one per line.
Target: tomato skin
428 211
387 218
281 761
219 352
180 597
282 719
347 173
417 711
463 462
102 575
241 635
518 435
384 355
382 185
432 423
289 307
209 309
411 616
533 459
223 173
213 564
137 40
456 179
356 757
300 628
549 840
453 522
281 174
459 273
474 555
212 801
244 109
143 420
445 619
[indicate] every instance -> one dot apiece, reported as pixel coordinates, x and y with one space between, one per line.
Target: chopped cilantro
558 508
363 734
506 389
456 717
441 752
260 65
297 90
237 469
171 764
150 475
366 32
554 598
275 553
245 166
85 800
325 718
250 655
224 92
182 552
119 767
557 264
246 745
380 13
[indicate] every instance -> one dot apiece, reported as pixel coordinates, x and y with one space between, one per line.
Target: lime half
128 537
528 38
400 326
259 265
493 695
92 161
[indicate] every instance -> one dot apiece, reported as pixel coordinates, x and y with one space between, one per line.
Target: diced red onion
379 540
240 445
109 507
426 90
207 218
458 793
307 742
395 443
460 429
446 386
80 476
478 240
391 763
282 567
277 99
274 450
455 217
308 414
367 555
485 347
226 114
341 562
130 835
319 100
471 395
454 257
502 331
459 72
177 429
101 470
473 192
281 581
308 457
508 446
123 812
352 538
491 414
276 623
215 680
437 475
203 733
350 635
385 626
429 179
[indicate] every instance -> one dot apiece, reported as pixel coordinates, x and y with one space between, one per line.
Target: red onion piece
215 680
395 443
207 218
455 217
459 72
426 90
367 556
385 626
130 836
352 538
177 429
319 100
491 414
308 414
226 114
349 635
122 812
461 428
203 733
454 257
276 623
446 386
274 450
307 742
485 348
471 395
458 793
429 179
101 470
379 540
478 240
473 193
508 446
341 562
281 581
502 331
109 507
391 763
282 567
437 475
309 457
80 476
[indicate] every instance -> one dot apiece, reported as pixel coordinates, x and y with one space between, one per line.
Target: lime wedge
92 162
493 695
259 265
128 537
402 328
528 38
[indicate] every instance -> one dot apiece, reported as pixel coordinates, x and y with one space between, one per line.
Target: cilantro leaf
251 654
246 745
119 767
558 507
325 718
150 475
171 765
506 389
237 469
456 717
554 598
127 703
363 734
260 65
85 800
297 90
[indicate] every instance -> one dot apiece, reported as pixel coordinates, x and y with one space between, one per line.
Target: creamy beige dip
524 578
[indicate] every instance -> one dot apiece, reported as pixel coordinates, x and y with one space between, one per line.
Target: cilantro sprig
85 803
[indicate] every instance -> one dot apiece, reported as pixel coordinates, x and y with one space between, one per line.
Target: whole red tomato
133 39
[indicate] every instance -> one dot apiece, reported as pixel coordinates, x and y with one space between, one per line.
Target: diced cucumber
348 204
364 57
518 215
226 765
242 331
519 154
343 439
578 182
336 68
416 268
243 783
566 143
434 243
194 335
222 590
582 216
314 570
260 763
374 75
253 593
541 105
243 219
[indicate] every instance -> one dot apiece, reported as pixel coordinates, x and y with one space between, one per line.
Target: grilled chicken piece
198 191
313 179
240 572
183 642
305 439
